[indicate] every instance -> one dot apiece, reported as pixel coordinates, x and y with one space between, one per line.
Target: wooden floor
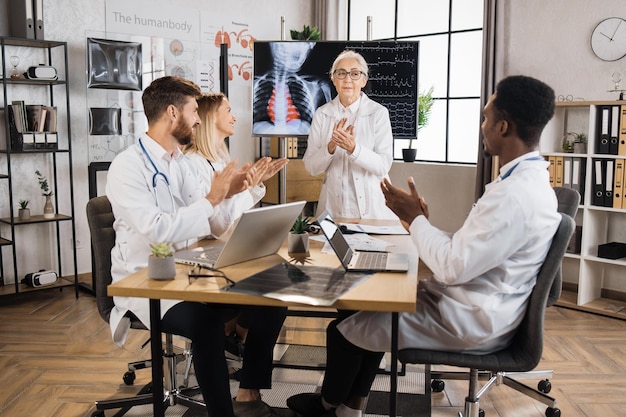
57 357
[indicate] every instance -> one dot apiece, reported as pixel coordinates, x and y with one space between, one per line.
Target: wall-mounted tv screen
291 80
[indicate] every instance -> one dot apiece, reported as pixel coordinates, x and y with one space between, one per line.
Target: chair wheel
544 386
481 413
437 385
553 412
98 413
129 377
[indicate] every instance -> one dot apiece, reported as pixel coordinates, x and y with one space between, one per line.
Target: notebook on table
259 232
354 260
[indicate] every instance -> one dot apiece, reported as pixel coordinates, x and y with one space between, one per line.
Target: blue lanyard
157 173
508 173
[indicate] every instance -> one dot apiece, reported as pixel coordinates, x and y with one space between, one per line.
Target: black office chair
516 360
100 219
568 200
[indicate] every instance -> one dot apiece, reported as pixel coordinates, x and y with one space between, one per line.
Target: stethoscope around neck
156 176
157 173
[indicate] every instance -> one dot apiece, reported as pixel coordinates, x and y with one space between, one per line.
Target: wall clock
608 39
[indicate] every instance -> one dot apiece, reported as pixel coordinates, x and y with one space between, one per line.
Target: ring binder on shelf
22 21
614 136
618 183
608 183
38 18
599 173
604 121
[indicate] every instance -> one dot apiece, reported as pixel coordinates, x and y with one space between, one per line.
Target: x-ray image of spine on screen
284 97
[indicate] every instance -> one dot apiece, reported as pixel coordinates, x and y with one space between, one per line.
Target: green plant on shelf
23 204
571 138
43 184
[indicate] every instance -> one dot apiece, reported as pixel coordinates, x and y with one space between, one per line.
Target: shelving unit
591 283
38 242
292 183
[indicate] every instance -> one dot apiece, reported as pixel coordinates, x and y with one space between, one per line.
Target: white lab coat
231 208
483 273
368 165
145 214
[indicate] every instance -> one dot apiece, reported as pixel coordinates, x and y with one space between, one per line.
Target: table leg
393 378
158 405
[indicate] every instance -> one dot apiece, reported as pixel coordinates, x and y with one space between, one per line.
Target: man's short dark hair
526 102
165 91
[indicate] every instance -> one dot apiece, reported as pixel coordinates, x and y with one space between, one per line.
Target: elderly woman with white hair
351 142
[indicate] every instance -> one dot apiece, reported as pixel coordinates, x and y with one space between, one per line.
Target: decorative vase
580 147
48 208
298 243
408 154
161 268
23 214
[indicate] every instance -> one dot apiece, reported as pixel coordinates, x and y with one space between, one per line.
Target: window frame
447 98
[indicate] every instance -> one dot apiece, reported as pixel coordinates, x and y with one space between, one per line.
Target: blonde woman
209 153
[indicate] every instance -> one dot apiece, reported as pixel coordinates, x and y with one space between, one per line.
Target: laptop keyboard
372 260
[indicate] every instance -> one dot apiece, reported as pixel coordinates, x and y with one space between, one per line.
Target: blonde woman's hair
350 54
205 134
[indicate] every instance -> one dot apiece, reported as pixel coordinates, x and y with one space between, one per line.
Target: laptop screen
336 239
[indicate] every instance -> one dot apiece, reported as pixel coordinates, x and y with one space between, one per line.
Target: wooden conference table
386 292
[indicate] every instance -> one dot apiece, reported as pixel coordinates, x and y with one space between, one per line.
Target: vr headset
40 278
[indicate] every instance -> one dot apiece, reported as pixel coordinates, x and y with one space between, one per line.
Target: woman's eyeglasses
196 272
354 74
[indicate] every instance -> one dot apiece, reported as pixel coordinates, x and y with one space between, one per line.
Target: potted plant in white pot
161 263
24 212
425 103
48 208
298 239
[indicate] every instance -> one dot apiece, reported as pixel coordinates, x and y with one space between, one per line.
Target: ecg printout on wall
393 82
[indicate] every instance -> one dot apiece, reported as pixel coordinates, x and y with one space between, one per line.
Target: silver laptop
353 260
259 232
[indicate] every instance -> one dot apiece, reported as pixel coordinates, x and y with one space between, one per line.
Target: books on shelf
32 126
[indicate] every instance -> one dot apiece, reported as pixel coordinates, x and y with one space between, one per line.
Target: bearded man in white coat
483 274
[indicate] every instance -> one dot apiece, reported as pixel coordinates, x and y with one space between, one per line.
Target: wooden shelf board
585 103
9 288
35 219
601 306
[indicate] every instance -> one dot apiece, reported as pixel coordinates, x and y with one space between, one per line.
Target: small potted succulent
298 239
161 263
574 142
24 212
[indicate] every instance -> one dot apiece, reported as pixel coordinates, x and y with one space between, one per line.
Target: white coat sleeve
132 199
486 240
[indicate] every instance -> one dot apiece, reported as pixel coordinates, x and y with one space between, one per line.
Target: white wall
447 189
550 40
